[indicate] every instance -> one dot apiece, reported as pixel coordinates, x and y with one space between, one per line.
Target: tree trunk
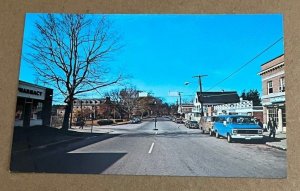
65 125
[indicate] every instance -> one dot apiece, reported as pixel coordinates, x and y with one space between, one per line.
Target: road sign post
155 120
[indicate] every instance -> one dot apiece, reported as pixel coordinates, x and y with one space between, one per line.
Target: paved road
173 149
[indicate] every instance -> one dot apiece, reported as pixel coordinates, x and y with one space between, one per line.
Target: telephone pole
200 88
179 93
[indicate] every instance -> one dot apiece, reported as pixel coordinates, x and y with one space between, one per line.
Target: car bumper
247 137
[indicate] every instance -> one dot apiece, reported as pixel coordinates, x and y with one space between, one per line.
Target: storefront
34 105
273 84
275 108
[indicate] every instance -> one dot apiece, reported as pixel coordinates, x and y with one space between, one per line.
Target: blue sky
162 52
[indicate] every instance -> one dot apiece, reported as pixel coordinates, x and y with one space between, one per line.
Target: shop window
273 112
283 117
270 87
282 84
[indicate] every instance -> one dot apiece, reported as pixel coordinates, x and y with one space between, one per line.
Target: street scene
172 149
167 95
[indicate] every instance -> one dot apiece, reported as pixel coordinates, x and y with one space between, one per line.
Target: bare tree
124 100
69 52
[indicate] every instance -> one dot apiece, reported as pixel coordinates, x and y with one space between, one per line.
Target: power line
244 65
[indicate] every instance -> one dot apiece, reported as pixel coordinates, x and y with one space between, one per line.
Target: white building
244 107
210 100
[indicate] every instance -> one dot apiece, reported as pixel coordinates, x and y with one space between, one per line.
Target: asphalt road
137 149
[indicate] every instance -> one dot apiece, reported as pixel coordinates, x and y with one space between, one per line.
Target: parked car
237 127
193 125
135 120
186 123
174 119
207 124
178 120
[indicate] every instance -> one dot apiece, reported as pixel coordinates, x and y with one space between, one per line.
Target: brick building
97 108
273 85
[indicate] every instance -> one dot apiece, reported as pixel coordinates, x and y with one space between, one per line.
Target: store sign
29 91
32 92
277 99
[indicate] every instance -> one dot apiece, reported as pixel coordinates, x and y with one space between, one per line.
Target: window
283 117
273 112
282 84
270 87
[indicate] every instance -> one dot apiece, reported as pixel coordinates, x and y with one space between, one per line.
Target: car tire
217 134
229 139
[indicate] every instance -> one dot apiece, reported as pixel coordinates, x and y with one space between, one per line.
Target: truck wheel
217 134
229 139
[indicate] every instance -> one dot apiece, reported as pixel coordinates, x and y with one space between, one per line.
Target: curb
276 147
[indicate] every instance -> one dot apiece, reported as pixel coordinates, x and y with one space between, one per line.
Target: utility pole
180 110
200 87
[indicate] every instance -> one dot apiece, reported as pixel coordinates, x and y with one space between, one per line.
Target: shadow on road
91 163
56 158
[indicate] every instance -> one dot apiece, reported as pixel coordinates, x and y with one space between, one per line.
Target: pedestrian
272 126
81 123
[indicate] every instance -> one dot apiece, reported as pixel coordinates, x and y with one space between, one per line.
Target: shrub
118 120
105 122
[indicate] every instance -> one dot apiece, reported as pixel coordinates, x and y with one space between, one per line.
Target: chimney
241 99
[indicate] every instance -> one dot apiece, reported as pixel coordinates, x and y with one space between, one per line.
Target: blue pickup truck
237 127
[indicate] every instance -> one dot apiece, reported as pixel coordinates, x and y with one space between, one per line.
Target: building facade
273 84
210 100
93 108
185 110
34 105
244 107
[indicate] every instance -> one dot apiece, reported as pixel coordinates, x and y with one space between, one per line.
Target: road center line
151 148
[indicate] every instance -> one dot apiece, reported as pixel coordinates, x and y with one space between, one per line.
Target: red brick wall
275 81
259 115
272 63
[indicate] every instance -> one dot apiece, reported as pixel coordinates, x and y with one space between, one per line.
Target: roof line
272 59
32 84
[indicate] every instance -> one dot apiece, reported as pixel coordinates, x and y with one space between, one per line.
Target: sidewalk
90 129
279 142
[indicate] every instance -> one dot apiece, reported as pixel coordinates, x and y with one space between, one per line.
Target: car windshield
242 120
